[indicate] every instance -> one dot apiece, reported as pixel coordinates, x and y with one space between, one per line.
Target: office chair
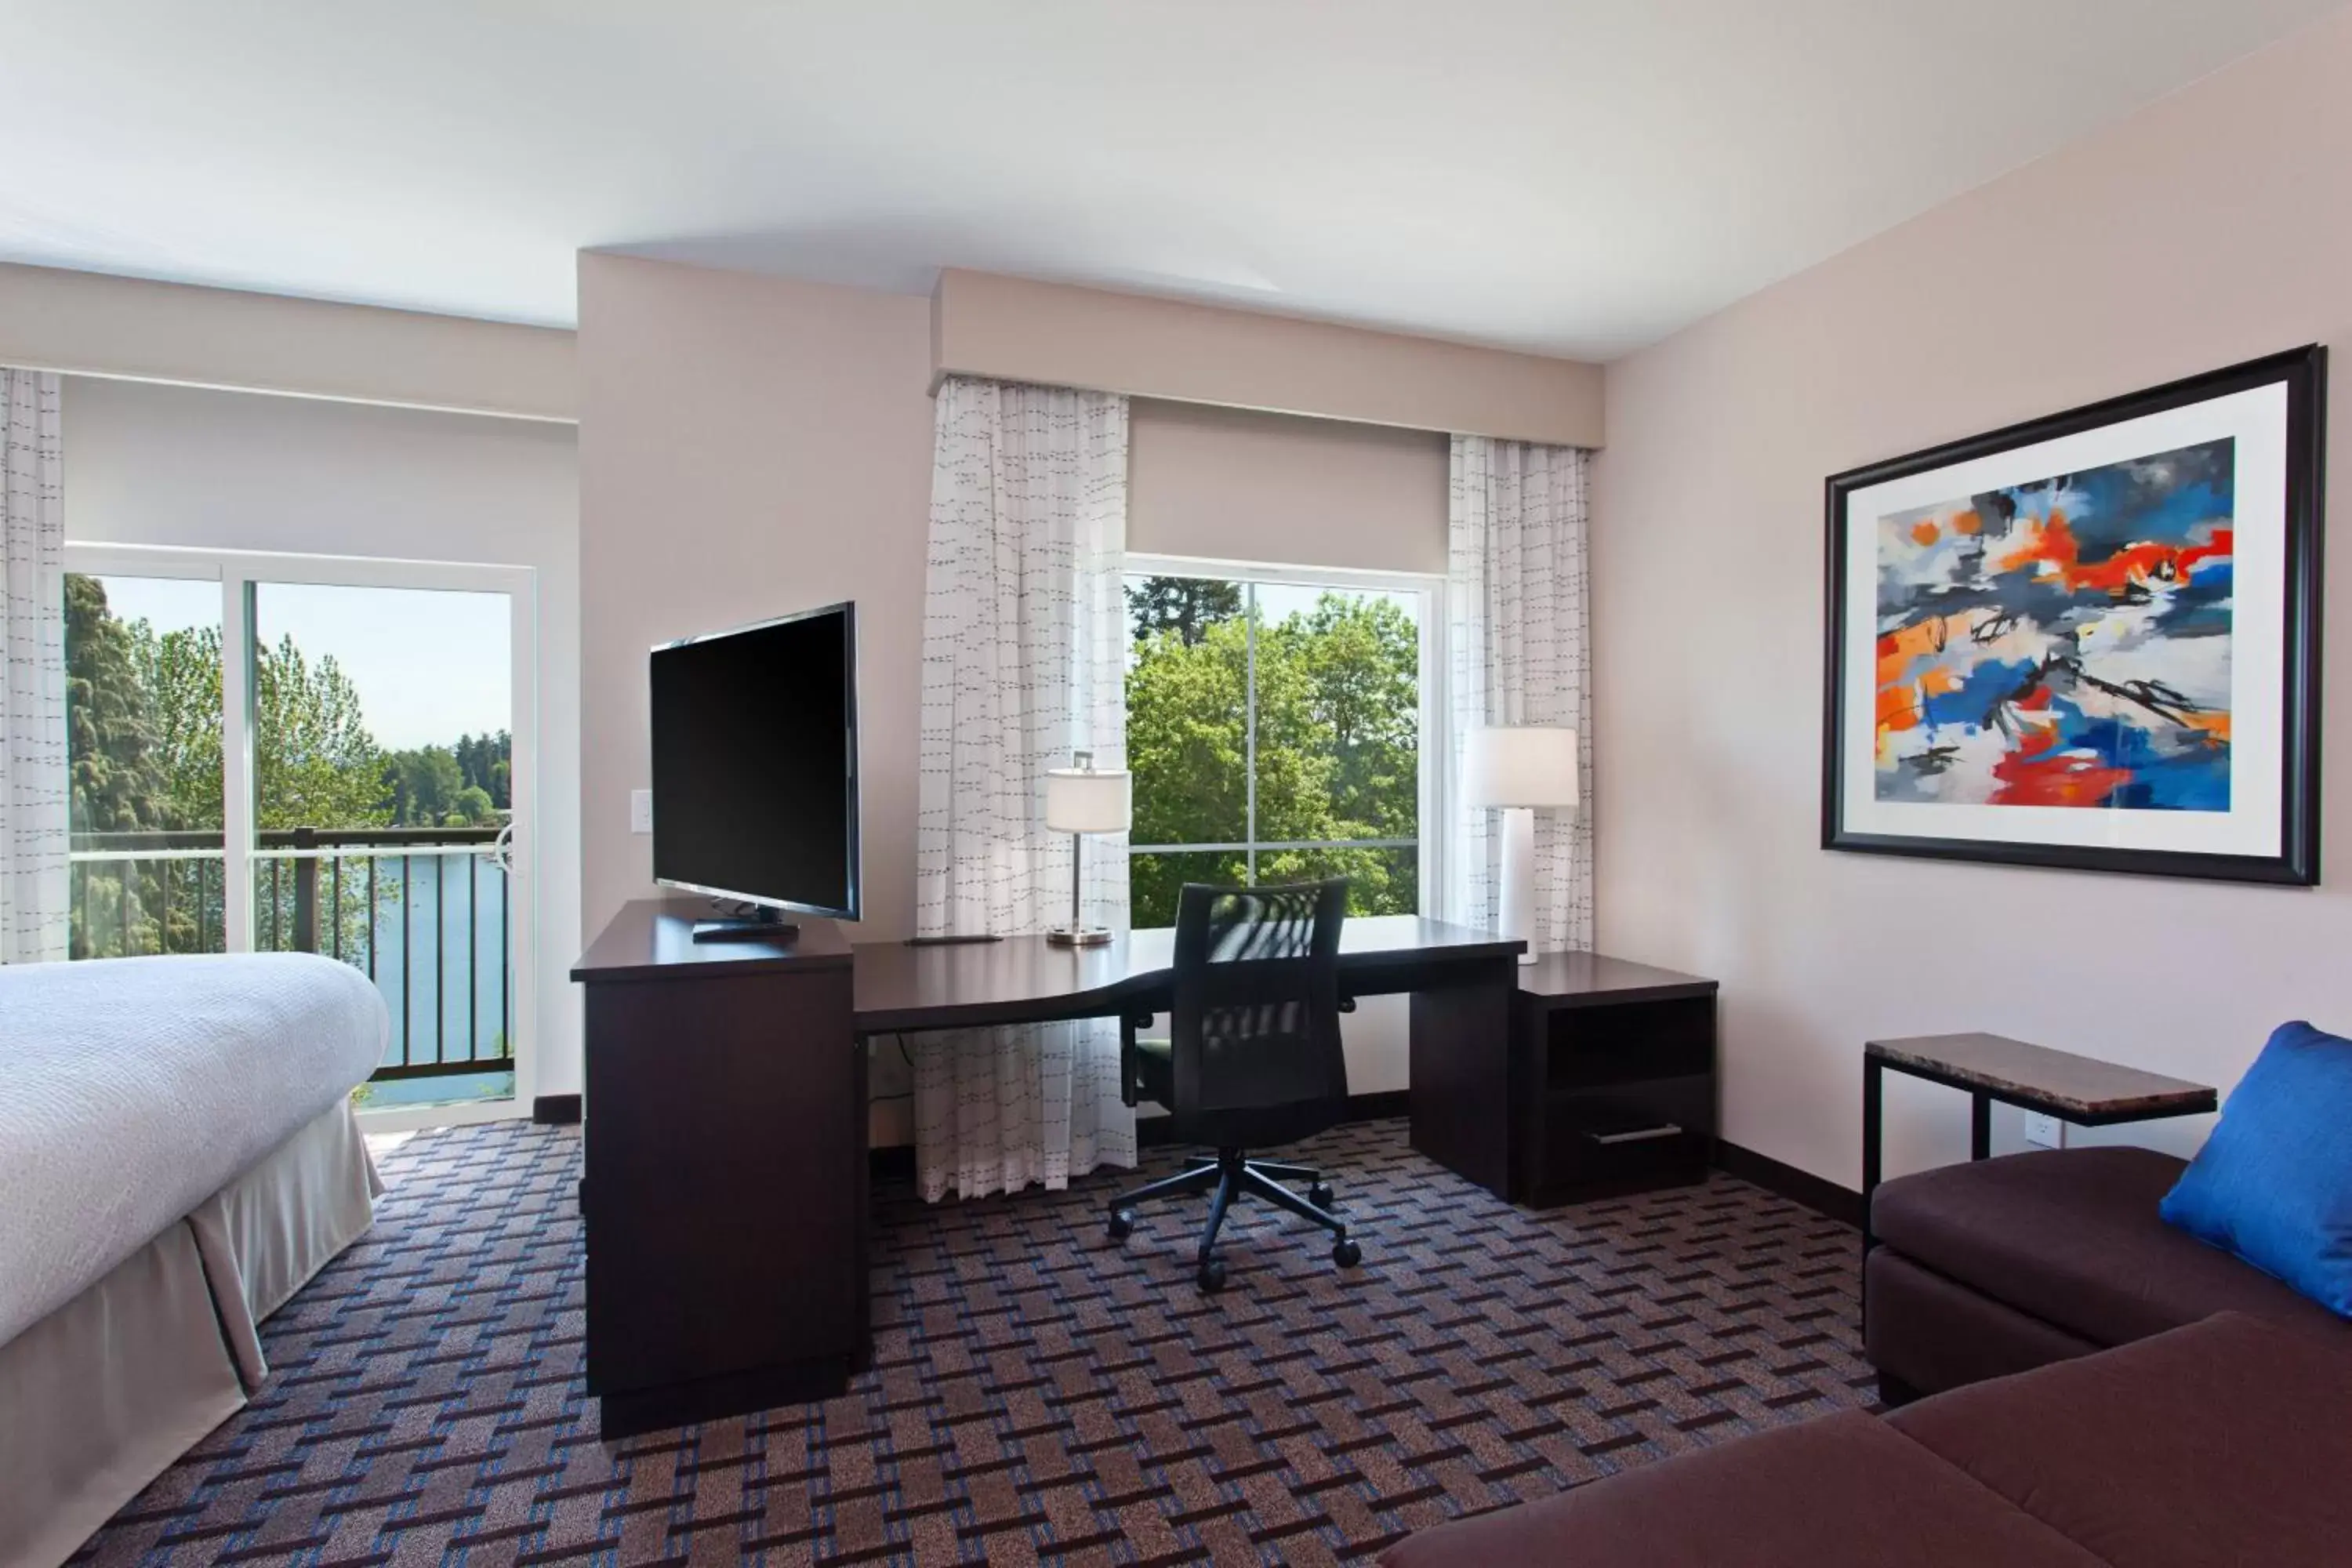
1253 1056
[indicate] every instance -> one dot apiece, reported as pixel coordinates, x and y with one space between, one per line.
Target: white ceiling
1577 177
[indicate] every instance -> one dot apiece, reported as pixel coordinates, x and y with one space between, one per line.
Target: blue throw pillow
2274 1184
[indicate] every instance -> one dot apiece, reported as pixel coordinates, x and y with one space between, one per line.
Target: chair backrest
1254 1022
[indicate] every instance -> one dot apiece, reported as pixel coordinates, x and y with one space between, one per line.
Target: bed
177 1157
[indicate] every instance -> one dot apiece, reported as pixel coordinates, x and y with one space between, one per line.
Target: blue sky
430 664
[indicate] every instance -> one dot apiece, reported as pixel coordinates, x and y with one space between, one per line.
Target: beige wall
233 470
89 323
1014 328
2206 229
1230 484
749 446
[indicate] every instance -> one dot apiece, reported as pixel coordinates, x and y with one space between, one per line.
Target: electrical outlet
2044 1132
641 811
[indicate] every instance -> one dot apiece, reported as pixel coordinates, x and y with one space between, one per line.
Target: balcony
425 912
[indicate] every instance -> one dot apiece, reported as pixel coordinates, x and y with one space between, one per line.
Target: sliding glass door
287 754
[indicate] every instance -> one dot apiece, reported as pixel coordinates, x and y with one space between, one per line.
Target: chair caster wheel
1320 1195
1212 1277
1122 1224
1346 1253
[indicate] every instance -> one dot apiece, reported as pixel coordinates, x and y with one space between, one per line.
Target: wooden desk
725 1188
1460 980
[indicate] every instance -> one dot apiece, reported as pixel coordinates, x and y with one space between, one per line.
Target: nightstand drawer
1636 1136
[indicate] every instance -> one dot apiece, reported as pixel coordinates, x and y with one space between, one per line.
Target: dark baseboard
555 1109
1155 1132
1817 1193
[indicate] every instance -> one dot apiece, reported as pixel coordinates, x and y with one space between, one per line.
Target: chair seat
1284 1102
2071 1237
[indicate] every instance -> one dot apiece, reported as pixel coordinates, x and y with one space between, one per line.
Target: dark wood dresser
724 1190
1612 1076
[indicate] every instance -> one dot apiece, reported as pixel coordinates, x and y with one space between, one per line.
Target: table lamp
1078 801
1518 768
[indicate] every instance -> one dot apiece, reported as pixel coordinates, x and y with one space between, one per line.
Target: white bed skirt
99 1398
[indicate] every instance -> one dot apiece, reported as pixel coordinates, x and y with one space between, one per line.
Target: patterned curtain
1517 643
34 819
1024 660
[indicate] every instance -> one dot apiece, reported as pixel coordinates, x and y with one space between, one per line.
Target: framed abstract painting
2090 641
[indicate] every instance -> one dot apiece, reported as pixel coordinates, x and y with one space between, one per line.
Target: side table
2083 1091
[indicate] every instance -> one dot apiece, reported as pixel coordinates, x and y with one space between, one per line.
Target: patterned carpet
1038 1394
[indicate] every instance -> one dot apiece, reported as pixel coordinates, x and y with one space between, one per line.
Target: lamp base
1084 936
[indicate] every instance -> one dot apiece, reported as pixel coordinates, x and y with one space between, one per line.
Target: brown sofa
2222 1442
2004 1264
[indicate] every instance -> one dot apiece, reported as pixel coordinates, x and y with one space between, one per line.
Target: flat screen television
755 769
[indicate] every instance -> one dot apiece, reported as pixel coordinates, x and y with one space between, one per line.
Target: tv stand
719 1076
766 925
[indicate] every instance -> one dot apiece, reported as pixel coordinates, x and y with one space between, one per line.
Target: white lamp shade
1081 800
1525 764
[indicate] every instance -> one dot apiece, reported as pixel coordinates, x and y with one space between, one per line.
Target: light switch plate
2044 1132
641 811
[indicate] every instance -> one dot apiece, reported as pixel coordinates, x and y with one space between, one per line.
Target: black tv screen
755 763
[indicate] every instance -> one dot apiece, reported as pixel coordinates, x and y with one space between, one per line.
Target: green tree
1362 661
422 785
1337 750
472 808
181 673
117 771
1188 607
315 763
115 777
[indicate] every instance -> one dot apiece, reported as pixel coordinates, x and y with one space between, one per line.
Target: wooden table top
652 939
1025 978
1595 979
2077 1088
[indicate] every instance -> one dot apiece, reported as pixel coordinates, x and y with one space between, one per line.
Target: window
1275 730
366 809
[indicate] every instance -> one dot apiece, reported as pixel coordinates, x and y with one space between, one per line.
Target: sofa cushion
2072 1237
1842 1491
2273 1183
1932 1334
2222 1442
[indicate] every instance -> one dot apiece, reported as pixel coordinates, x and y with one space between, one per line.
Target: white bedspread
133 1089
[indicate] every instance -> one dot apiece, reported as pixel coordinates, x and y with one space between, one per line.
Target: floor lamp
1518 768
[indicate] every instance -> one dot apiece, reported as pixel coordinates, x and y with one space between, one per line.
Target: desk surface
1027 979
652 939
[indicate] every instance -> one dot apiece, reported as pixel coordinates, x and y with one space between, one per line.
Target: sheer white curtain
1517 646
1024 660
34 816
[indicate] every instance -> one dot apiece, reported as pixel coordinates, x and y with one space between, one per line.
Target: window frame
1434 739
238 573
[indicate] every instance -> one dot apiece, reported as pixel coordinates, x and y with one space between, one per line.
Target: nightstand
1612 1079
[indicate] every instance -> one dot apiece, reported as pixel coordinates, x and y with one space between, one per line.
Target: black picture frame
2304 373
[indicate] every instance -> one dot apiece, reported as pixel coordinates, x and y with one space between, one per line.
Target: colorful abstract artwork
2064 642
2089 641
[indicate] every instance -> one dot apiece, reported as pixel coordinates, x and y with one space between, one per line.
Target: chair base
1229 1174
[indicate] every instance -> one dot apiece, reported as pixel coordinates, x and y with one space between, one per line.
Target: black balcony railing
410 906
